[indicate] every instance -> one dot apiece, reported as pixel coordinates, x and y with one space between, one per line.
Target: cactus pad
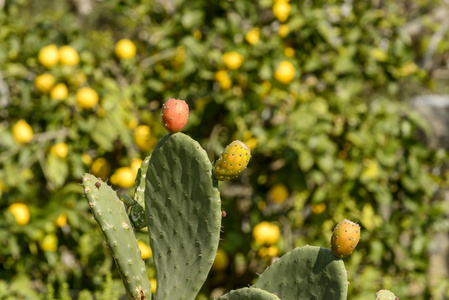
249 294
111 215
182 204
306 273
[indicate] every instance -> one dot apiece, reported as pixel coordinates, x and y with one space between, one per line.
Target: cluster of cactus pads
177 198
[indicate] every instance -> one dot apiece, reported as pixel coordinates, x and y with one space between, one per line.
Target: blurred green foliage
336 137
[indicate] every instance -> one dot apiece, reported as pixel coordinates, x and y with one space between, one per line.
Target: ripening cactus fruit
232 161
386 295
345 238
175 114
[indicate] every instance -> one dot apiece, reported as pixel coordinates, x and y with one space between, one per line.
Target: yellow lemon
281 10
408 69
60 150
318 208
278 193
135 164
123 177
283 30
223 79
68 56
251 143
142 137
379 54
87 97
371 170
232 60
153 285
289 52
266 233
22 132
49 55
271 251
180 55
44 82
61 220
125 49
59 92
285 73
197 34
221 260
252 36
20 212
101 168
50 243
132 123
145 251
87 159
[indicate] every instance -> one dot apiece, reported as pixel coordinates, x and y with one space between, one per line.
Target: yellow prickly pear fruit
386 295
232 161
345 238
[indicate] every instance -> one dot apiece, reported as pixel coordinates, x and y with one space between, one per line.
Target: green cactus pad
139 194
385 295
137 210
110 214
182 205
306 273
249 294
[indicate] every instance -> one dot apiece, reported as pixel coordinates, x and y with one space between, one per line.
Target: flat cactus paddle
183 212
306 273
249 294
111 216
137 210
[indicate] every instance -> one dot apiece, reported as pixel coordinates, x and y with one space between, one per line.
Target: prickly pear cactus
111 216
183 212
306 273
386 295
249 294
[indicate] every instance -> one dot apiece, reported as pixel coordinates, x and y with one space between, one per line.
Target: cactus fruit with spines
177 198
233 160
175 114
345 237
386 295
307 272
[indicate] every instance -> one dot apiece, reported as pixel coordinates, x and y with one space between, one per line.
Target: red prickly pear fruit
232 161
175 114
345 238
